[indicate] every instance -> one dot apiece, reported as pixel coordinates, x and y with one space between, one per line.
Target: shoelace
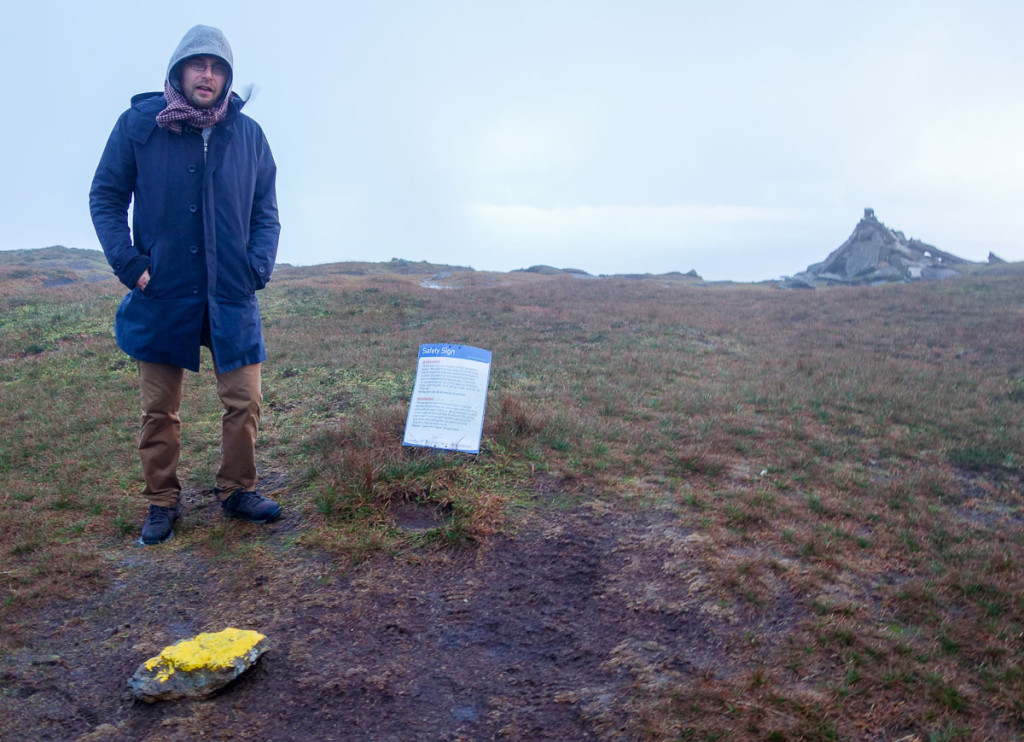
249 498
158 515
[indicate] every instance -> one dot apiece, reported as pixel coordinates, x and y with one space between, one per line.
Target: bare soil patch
559 631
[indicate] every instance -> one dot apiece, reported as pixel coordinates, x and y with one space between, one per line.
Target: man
203 240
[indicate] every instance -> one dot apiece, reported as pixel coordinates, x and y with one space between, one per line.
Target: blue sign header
465 352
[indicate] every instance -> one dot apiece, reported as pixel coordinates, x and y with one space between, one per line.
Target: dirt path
561 631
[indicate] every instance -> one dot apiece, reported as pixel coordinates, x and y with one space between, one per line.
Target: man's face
203 79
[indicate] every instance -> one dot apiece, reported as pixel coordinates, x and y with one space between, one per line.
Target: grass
857 450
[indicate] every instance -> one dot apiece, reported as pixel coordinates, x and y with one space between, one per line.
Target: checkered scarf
179 111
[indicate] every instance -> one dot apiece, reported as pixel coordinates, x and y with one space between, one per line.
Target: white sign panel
448 398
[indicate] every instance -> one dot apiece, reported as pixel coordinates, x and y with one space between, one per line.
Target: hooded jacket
197 41
205 224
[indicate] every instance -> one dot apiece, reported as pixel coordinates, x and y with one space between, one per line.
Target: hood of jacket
201 40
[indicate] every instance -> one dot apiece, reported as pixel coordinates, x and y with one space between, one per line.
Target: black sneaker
251 506
157 527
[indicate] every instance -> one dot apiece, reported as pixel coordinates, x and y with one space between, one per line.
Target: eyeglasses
198 65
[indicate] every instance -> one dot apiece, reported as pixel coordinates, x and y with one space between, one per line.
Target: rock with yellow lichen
197 667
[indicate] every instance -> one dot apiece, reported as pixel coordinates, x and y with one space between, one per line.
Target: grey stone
163 678
802 281
938 274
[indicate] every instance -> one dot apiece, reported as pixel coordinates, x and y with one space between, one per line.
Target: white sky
739 139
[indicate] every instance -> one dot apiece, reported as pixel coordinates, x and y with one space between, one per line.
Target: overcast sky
739 139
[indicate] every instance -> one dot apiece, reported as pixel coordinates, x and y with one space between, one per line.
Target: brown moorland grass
854 454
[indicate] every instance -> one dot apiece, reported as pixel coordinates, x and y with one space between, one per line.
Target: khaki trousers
160 443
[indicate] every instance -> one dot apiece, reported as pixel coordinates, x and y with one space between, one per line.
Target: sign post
448 398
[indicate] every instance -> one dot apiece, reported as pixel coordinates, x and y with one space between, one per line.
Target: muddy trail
568 628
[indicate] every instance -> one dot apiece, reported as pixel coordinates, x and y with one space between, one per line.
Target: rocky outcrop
197 667
876 254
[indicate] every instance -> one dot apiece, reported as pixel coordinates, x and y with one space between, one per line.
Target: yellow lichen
211 650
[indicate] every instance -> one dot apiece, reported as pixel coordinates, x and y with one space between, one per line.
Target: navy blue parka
205 224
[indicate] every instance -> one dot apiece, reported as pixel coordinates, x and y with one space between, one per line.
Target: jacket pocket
149 292
236 282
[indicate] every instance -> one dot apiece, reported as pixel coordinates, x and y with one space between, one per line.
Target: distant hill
395 266
547 270
60 266
54 266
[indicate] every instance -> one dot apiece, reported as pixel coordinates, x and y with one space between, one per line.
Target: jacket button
193 208
195 289
262 269
191 168
194 249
